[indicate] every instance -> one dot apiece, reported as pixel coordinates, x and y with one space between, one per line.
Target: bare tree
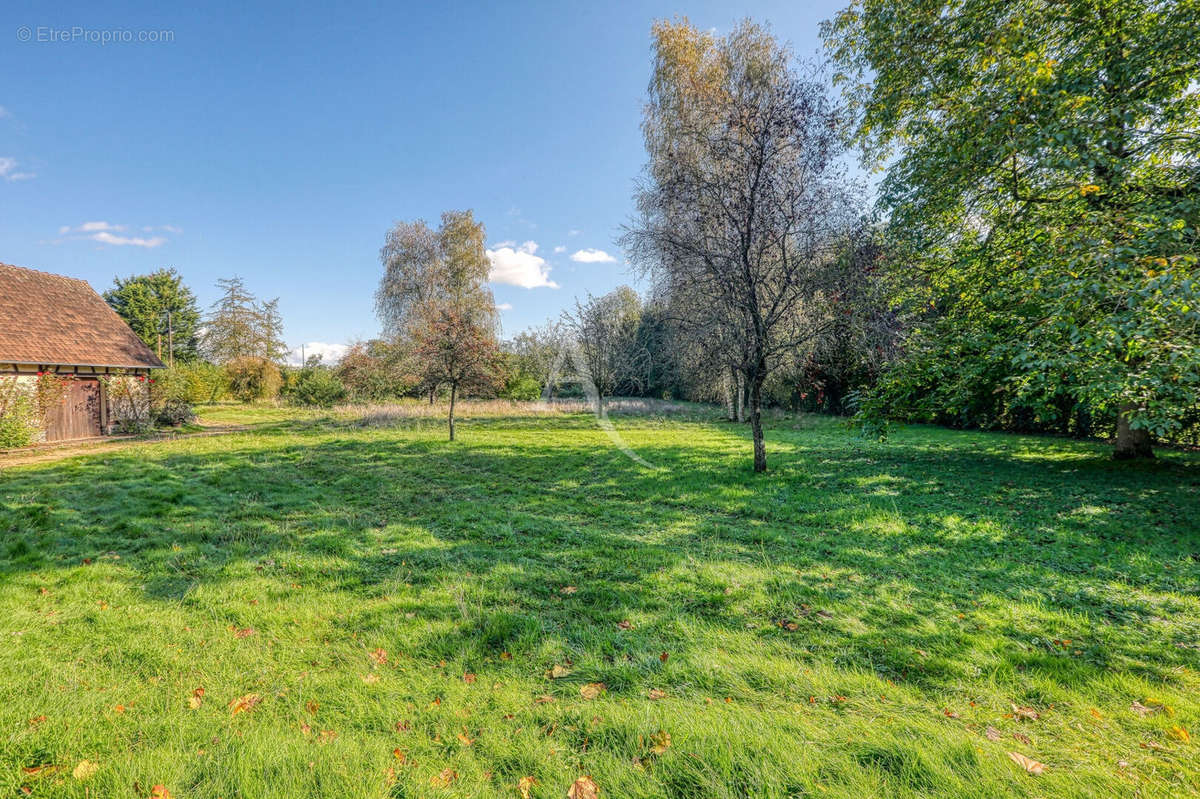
744 202
605 332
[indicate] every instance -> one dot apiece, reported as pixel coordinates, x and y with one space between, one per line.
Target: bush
314 386
193 383
253 379
524 389
18 418
174 412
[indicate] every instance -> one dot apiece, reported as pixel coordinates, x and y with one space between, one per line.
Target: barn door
78 414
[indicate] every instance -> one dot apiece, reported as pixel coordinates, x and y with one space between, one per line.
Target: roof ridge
44 272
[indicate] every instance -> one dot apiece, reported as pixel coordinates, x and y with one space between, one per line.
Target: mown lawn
392 608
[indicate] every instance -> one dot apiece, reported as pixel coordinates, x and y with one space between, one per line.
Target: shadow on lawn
938 530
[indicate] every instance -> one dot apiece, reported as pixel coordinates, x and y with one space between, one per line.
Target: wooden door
77 415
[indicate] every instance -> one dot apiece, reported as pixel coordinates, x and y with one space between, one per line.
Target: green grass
848 625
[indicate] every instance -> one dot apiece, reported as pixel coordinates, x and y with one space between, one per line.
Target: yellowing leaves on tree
1027 763
583 788
85 770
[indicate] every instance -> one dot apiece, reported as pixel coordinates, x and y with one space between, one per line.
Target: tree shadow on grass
895 559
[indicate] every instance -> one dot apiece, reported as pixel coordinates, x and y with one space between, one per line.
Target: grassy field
318 608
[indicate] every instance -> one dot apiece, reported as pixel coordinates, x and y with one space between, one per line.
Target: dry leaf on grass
464 738
525 786
993 734
244 632
1179 734
657 693
196 699
1025 713
543 699
379 656
244 704
1023 738
625 624
160 792
444 778
1140 709
469 678
660 742
558 672
85 770
591 690
370 679
568 589
1027 763
583 788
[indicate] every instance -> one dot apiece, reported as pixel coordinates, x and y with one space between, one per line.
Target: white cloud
106 233
92 227
560 248
574 232
8 167
104 237
330 353
592 256
504 306
519 266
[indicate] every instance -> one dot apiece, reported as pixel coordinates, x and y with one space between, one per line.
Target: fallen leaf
464 739
1097 714
469 678
625 624
1179 734
1025 713
85 770
525 786
657 693
399 754
1023 738
119 709
36 720
568 589
244 704
311 706
993 734
543 699
443 779
244 632
559 671
370 679
1140 709
663 657
194 702
660 742
1029 764
950 714
591 690
583 788
506 655
379 656
160 792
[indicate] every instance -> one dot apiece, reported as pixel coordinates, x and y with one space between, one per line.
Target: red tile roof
54 320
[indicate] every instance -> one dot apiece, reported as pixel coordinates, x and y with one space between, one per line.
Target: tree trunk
1131 443
453 395
431 392
731 396
760 448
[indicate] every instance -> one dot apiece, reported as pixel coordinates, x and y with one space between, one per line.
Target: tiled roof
54 320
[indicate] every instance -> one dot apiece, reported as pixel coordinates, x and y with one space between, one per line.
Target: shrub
193 383
314 386
174 412
18 416
525 389
253 379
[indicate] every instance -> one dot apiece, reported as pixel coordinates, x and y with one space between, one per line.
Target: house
59 326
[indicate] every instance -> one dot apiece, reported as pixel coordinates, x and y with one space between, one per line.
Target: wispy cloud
9 171
107 233
127 241
592 256
560 248
519 266
330 353
504 306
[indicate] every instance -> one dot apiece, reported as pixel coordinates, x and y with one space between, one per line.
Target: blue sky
280 142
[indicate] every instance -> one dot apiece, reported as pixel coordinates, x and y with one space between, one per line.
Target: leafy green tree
1043 174
161 310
